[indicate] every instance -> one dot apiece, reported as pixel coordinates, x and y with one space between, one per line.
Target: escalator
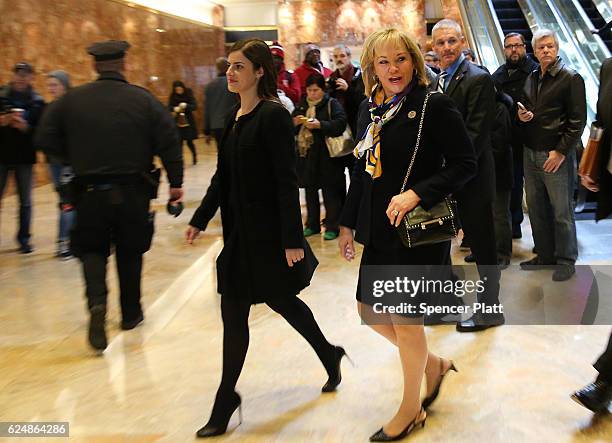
483 32
487 21
511 19
597 20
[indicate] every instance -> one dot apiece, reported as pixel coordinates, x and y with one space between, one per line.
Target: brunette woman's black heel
221 414
336 376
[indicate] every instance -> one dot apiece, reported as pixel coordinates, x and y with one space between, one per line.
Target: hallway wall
328 22
55 34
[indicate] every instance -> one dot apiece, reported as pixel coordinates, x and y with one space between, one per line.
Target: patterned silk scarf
381 112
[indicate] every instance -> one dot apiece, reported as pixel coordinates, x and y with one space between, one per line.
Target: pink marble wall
451 10
54 34
339 21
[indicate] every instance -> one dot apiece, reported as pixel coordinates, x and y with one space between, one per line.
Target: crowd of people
423 126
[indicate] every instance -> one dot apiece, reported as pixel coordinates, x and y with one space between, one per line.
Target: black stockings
235 314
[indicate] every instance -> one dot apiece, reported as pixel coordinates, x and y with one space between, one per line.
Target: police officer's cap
108 50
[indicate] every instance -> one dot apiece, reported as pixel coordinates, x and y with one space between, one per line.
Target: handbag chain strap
418 141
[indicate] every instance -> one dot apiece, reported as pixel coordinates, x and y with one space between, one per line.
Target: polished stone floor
157 382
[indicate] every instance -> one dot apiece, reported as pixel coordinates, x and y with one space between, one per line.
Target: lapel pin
412 114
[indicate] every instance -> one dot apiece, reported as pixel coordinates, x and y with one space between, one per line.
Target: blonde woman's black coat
445 162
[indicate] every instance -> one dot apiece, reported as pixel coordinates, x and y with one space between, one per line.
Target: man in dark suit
473 91
597 395
218 103
510 78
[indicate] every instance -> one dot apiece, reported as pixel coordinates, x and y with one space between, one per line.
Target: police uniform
109 131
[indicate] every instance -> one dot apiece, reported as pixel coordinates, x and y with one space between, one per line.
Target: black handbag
424 227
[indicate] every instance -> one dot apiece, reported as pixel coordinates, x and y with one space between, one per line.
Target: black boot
127 325
224 408
97 331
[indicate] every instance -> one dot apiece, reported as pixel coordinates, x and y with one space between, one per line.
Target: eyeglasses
515 46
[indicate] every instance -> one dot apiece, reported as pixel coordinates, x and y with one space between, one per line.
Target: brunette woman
394 74
265 258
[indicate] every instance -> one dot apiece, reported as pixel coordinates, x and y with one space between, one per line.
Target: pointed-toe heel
427 401
222 412
381 435
334 380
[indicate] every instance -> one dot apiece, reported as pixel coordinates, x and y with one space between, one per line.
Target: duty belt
98 187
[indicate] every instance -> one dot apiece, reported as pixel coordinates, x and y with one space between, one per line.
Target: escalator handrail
494 40
587 21
535 22
498 27
604 8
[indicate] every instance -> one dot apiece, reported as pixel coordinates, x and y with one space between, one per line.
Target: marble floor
157 382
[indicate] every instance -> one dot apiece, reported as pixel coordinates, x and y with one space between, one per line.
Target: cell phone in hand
521 106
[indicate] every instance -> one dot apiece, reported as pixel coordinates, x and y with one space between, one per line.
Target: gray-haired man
554 116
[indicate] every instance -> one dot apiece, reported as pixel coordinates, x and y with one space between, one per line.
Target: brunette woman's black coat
320 170
444 141
265 216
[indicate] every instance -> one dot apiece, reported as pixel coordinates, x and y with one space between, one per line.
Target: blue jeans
66 219
550 197
23 178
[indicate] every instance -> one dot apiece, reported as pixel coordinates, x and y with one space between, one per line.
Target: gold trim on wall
250 28
130 4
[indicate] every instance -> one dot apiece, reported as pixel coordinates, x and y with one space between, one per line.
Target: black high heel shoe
334 380
380 435
432 397
221 414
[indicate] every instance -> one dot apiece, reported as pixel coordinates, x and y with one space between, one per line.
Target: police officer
109 131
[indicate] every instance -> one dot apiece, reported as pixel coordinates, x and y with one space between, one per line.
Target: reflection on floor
157 383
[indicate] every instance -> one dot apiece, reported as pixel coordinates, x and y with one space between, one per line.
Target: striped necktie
442 81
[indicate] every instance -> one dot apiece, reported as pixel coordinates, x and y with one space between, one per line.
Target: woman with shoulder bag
316 117
265 258
399 116
182 104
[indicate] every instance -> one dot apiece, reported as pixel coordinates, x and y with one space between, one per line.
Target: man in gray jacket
218 102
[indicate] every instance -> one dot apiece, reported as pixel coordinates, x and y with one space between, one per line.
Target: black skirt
435 254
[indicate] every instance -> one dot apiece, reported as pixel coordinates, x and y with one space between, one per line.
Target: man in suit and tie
473 91
596 396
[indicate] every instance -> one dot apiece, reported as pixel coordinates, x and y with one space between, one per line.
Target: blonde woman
395 78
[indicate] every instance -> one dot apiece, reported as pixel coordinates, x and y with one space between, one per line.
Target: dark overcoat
512 82
473 91
261 215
